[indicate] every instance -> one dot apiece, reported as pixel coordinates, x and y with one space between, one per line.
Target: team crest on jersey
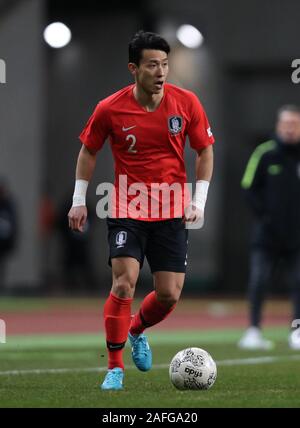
121 239
175 124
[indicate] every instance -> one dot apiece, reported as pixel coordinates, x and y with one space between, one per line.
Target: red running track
90 321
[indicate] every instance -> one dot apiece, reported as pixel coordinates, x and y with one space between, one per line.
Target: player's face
152 71
288 127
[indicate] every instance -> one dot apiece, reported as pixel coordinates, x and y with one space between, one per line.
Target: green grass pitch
66 370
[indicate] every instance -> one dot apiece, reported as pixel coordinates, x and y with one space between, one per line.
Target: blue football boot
141 352
113 379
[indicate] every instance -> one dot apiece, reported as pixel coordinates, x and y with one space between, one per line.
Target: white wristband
200 195
80 193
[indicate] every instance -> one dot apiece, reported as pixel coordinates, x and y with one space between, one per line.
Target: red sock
150 313
117 316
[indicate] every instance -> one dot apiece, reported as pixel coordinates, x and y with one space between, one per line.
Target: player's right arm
84 170
92 137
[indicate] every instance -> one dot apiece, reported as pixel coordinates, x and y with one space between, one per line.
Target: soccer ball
193 368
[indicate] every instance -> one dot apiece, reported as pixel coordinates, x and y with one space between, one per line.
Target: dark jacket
272 185
8 226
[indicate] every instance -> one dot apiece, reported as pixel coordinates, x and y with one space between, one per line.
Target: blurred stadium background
241 72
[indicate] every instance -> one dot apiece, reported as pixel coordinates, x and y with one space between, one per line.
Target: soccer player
272 185
147 124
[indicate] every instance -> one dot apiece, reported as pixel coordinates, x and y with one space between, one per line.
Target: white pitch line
234 362
257 360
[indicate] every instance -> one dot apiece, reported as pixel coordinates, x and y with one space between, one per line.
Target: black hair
146 40
292 108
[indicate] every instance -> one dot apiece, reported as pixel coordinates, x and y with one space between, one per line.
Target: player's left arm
201 140
204 171
205 163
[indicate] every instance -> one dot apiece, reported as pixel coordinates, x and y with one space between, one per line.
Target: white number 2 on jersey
131 138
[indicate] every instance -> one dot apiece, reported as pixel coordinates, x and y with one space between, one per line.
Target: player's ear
132 68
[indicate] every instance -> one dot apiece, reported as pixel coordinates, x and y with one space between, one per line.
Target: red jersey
148 147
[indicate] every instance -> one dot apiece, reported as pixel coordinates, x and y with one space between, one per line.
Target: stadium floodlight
189 36
57 35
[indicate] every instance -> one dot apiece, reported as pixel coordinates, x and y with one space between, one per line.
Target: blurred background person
77 270
8 228
272 185
47 223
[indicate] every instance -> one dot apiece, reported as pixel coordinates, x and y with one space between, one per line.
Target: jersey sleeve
97 128
254 178
256 166
199 130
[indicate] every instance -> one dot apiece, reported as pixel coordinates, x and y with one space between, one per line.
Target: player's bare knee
168 299
123 287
